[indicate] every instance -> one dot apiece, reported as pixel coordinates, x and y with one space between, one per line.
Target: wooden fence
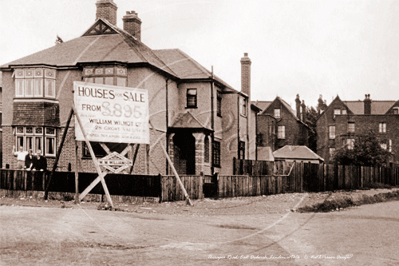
171 190
260 168
118 184
299 177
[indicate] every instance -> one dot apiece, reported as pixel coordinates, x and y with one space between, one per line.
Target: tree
311 118
367 151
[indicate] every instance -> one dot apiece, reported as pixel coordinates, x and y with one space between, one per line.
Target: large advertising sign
111 113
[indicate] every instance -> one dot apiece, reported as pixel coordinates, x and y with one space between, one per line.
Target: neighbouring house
339 124
202 121
294 153
1 119
279 125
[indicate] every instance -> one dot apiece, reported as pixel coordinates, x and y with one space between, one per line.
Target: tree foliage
367 151
311 118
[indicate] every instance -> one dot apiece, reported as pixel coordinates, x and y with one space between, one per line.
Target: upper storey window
35 83
109 75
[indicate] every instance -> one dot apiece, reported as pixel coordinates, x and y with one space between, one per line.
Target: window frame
216 153
243 106
382 127
351 127
277 113
241 148
331 132
350 144
38 139
35 82
191 99
219 103
281 132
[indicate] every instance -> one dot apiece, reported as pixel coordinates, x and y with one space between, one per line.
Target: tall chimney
303 114
106 9
367 105
132 24
246 75
298 106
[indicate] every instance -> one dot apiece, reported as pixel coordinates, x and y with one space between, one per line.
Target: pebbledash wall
166 74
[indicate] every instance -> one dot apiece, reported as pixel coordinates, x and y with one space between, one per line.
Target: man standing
21 154
30 160
41 162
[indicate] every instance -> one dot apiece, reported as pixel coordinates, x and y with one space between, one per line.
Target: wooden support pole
96 164
77 201
177 176
58 153
134 157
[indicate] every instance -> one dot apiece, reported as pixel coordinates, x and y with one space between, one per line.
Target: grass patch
345 202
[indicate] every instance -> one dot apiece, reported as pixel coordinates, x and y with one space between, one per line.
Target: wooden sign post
96 165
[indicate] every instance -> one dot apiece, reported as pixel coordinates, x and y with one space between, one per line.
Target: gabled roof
90 48
377 107
296 152
261 104
286 105
184 66
188 120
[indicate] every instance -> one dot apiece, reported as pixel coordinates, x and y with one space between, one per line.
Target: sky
331 47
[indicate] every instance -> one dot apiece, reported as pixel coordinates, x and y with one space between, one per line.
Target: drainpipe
238 125
212 122
256 136
167 123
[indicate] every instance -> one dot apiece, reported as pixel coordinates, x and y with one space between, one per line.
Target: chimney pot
132 24
367 105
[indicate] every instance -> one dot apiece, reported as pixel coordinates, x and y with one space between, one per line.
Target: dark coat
41 164
30 160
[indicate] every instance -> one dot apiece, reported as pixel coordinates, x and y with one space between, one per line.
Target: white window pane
38 88
20 142
28 87
38 144
50 146
29 143
19 87
50 88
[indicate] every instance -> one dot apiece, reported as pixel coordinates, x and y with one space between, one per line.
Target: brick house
201 120
338 125
279 125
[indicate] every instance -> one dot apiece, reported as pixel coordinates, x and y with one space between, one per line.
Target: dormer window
396 110
35 83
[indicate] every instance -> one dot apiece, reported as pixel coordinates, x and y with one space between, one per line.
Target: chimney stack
367 105
132 24
298 106
106 9
303 113
246 75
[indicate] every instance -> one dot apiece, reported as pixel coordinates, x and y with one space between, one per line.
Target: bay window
31 138
35 83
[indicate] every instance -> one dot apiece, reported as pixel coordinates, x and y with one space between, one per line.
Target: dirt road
366 235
